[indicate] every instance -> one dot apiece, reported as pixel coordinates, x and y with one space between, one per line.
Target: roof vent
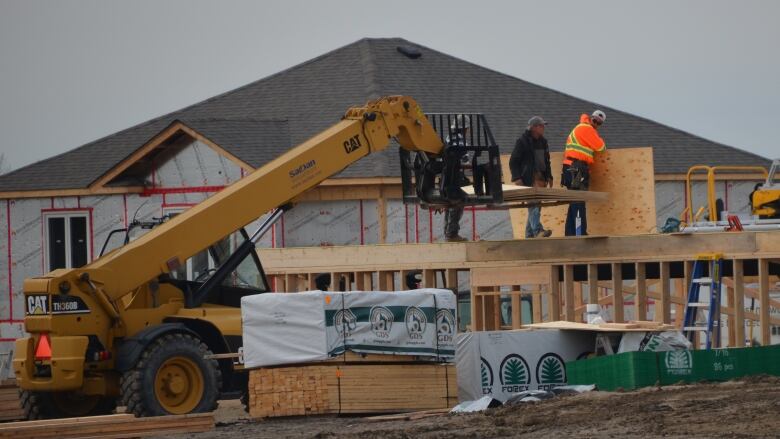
409 52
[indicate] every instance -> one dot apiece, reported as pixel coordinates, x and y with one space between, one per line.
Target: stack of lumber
333 388
109 426
633 326
525 194
10 410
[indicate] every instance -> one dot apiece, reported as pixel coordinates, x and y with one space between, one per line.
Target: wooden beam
617 293
739 304
640 300
763 288
523 253
568 292
492 276
554 298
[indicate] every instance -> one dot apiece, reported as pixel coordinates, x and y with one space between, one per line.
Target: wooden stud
335 282
536 304
385 280
683 292
359 281
554 296
428 279
739 304
517 308
729 316
593 283
476 309
763 290
641 292
617 293
496 309
568 292
664 314
381 207
577 301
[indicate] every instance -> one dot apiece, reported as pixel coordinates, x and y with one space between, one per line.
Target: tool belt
578 177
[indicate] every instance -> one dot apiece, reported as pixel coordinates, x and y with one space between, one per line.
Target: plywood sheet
626 174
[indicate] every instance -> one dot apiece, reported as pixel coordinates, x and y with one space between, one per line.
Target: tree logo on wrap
445 325
514 374
550 371
345 322
381 321
487 376
416 322
679 362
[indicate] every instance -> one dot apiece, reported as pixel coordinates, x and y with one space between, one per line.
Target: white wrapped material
283 328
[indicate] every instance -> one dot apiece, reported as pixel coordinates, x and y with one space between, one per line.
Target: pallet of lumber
10 408
351 388
109 426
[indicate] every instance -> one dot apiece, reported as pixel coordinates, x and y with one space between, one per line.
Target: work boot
456 238
544 233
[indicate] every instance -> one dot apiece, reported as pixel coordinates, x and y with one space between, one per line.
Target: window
67 240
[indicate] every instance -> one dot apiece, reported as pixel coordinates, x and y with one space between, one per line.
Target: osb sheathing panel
626 174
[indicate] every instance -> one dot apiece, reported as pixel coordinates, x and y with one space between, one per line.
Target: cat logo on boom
352 144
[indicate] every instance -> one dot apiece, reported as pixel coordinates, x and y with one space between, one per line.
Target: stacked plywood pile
10 410
110 426
332 388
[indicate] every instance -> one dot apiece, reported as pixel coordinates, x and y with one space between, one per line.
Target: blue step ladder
710 284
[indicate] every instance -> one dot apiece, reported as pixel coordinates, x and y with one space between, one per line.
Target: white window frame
68 249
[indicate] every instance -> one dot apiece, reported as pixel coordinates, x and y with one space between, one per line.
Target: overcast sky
73 71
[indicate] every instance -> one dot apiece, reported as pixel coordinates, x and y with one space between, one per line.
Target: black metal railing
470 158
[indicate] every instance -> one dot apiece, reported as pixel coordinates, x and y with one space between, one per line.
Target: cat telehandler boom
129 328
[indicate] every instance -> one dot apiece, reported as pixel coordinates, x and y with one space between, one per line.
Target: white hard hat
599 115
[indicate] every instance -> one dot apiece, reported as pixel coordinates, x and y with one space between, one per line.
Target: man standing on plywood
581 144
530 166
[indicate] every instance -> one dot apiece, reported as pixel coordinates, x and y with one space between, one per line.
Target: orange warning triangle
43 351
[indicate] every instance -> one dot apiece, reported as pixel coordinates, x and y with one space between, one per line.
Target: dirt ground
749 408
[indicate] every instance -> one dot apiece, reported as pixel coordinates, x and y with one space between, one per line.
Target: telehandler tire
53 405
172 377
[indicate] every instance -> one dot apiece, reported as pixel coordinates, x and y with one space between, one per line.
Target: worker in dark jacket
530 166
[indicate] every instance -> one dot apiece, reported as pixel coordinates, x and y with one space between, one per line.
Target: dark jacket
522 162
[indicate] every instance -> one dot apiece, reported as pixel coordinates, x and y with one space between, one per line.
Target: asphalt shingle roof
260 120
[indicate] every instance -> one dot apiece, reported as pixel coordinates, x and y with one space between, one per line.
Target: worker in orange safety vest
581 144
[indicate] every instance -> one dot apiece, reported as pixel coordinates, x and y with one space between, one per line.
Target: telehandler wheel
51 405
172 378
